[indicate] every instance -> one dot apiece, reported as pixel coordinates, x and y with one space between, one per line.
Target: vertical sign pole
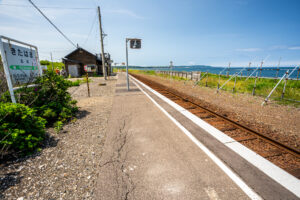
38 61
87 82
102 47
6 70
127 64
52 62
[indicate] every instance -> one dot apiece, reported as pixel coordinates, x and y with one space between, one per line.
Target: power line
90 30
53 24
49 7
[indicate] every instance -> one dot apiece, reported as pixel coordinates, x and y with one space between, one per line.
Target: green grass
263 86
56 65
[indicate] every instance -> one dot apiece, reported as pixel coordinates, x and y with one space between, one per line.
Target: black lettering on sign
20 53
25 53
13 51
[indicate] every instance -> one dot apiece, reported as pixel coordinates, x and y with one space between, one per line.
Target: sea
268 72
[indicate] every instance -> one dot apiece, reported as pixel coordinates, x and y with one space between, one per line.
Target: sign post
134 44
20 63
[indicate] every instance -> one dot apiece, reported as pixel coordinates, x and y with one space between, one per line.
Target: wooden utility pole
102 46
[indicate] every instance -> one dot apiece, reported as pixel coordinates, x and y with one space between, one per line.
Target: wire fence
286 92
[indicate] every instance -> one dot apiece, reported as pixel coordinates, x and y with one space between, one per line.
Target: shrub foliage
47 103
20 128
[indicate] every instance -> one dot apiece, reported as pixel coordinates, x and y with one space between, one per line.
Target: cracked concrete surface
147 157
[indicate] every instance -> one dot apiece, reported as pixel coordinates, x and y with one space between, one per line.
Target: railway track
286 157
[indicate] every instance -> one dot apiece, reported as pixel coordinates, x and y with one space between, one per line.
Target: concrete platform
146 156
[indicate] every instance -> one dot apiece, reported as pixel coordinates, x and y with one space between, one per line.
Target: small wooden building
80 60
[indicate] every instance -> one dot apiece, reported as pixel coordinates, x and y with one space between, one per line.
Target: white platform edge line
233 176
279 175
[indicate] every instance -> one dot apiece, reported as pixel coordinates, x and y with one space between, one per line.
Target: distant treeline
56 65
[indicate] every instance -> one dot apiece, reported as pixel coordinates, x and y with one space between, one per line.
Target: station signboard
21 62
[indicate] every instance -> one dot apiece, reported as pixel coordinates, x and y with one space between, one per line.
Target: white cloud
249 49
294 48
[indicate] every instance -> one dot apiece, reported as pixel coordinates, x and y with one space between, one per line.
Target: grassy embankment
263 86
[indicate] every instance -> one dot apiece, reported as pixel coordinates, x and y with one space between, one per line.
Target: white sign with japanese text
22 63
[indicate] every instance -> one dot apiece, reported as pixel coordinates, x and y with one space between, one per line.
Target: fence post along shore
267 98
254 87
286 79
206 79
233 89
277 70
228 69
220 77
261 64
230 79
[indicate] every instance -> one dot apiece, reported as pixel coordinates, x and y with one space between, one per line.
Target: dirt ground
68 165
277 121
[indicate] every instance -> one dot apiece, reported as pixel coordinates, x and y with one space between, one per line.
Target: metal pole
278 68
38 61
228 69
7 74
285 82
233 89
219 80
102 46
52 62
249 68
127 65
267 98
262 62
254 87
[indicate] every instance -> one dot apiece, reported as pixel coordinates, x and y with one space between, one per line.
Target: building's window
90 68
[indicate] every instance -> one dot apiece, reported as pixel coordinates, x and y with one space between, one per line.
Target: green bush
49 98
20 128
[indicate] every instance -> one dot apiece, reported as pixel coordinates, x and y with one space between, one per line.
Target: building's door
73 70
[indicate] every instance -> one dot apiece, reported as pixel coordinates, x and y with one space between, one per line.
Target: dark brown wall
84 58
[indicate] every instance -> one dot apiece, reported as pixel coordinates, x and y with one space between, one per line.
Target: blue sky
208 32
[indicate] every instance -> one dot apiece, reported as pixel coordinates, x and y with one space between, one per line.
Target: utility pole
102 46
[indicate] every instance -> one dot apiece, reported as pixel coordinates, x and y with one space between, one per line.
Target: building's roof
78 49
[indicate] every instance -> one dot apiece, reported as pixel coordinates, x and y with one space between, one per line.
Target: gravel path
68 165
277 121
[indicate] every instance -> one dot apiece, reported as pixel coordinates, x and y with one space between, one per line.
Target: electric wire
53 24
89 34
47 7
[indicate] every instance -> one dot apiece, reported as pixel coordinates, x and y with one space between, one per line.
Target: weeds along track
282 155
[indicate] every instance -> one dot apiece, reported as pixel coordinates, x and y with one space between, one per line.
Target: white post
38 61
6 70
52 62
127 65
267 98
